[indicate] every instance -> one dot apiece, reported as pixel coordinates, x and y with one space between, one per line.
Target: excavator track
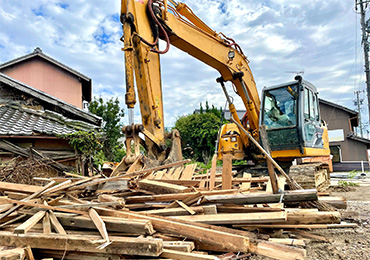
311 175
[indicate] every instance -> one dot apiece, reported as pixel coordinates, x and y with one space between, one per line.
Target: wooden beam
231 242
237 218
23 228
83 243
227 160
287 196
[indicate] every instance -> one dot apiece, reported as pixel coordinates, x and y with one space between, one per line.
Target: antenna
296 72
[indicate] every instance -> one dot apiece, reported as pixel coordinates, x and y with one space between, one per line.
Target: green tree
111 113
199 132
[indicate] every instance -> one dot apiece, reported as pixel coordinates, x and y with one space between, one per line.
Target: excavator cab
290 113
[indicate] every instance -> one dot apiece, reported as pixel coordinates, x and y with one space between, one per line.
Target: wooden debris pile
163 212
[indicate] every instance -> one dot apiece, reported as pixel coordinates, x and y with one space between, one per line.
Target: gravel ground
344 243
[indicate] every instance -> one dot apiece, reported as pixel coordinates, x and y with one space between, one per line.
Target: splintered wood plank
187 173
159 187
159 174
227 160
46 225
169 174
84 243
32 221
184 206
99 223
177 173
56 224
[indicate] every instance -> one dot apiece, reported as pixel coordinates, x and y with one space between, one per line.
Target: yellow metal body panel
307 152
230 142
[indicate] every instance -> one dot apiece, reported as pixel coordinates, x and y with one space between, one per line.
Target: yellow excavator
289 112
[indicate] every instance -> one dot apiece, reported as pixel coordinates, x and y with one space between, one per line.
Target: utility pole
365 30
358 103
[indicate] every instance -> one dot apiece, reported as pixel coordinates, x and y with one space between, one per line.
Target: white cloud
277 36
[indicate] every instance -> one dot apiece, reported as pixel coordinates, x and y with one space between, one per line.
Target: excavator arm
146 21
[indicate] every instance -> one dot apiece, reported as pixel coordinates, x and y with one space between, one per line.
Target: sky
322 39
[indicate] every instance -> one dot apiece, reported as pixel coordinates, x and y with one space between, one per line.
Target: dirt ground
346 243
343 243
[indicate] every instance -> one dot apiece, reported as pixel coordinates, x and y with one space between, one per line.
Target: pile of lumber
163 212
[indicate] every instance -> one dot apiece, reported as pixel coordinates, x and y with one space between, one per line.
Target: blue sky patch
39 11
63 5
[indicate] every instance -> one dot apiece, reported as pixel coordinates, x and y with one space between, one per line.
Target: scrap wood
100 225
34 195
188 172
83 243
174 254
209 209
184 246
56 224
225 240
24 227
220 237
287 196
297 226
128 175
158 187
24 203
130 226
237 218
12 253
171 197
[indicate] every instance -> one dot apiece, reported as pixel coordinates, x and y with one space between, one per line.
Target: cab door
312 128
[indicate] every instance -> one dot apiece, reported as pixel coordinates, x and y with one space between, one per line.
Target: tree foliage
111 113
199 132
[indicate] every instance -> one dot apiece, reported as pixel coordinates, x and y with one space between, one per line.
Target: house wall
351 150
48 78
335 118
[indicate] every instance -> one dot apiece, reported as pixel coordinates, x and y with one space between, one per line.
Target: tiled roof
40 95
18 121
